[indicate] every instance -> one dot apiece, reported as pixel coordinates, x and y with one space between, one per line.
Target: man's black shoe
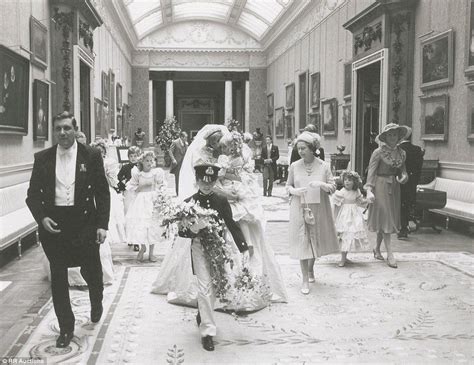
96 312
207 343
64 339
198 319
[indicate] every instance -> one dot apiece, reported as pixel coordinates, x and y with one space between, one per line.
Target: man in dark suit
270 155
319 152
177 151
69 198
413 163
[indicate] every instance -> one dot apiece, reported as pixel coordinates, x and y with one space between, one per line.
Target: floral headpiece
354 176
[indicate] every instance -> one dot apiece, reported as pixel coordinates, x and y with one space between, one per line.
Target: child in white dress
141 227
350 225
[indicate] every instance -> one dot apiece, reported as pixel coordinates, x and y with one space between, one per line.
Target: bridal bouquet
249 290
206 226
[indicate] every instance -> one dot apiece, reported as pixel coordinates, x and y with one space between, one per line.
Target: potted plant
168 132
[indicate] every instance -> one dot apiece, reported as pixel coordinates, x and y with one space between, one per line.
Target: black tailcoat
75 245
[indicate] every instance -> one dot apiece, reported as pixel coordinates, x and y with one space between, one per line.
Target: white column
169 99
150 111
228 100
247 106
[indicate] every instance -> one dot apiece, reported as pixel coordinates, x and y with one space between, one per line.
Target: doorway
85 100
370 108
368 95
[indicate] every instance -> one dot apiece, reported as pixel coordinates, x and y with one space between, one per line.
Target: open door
369 114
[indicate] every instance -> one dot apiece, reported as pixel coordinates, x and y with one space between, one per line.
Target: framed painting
14 93
279 123
98 116
40 110
105 88
346 117
289 120
315 84
470 115
119 125
38 43
303 98
347 80
470 41
290 97
118 92
270 104
112 101
437 58
329 117
315 119
434 118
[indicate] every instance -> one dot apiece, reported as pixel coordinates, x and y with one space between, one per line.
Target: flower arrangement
206 226
168 132
232 125
248 289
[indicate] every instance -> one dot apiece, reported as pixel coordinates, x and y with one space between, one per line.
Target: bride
238 184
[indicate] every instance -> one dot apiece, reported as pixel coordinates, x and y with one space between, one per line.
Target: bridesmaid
385 174
310 238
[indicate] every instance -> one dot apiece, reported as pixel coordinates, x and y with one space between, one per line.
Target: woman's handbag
308 214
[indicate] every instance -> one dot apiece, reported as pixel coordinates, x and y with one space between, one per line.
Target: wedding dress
176 278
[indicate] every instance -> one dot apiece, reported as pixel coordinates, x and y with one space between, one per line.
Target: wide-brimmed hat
403 132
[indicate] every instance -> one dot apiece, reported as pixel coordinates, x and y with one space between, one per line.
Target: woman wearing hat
386 172
312 230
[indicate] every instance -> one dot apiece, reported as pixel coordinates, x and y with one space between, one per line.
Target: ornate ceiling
254 17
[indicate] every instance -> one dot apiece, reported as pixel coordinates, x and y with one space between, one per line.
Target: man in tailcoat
270 155
70 200
177 151
413 163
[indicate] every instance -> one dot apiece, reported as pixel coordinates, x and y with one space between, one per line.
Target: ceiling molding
148 13
126 24
235 11
166 11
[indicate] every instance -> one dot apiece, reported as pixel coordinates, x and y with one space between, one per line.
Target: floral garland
205 225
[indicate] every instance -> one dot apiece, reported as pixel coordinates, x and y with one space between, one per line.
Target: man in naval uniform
206 176
69 198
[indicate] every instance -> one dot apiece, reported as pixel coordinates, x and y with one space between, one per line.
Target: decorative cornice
199 34
299 25
198 59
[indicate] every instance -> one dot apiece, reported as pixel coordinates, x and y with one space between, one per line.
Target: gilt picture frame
38 43
435 117
329 117
290 97
40 110
437 61
15 76
315 90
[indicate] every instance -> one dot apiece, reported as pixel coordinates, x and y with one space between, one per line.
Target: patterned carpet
365 312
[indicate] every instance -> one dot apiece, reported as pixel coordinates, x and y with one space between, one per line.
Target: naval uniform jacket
91 192
222 206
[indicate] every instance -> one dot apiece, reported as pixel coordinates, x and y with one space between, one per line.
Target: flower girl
141 228
350 225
